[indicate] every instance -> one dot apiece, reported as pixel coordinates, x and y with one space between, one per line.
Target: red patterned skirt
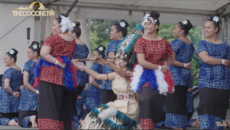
55 107
151 105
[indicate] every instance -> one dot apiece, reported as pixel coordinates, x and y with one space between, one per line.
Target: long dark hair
35 47
13 54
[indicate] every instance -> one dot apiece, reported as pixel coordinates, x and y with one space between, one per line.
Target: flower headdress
100 48
185 22
11 52
66 24
148 19
216 19
122 24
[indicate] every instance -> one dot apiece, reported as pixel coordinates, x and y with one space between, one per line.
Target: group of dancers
139 79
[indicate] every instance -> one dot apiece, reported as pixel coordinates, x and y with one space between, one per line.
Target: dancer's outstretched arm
110 76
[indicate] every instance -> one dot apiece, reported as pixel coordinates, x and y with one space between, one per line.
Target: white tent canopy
172 11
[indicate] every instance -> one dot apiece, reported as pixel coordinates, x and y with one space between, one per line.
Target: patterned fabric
189 103
93 98
29 99
184 54
5 121
60 47
9 103
209 122
175 120
106 69
214 76
129 96
81 112
160 124
155 51
147 124
189 122
50 124
81 52
26 122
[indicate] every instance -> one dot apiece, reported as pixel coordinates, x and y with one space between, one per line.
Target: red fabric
36 82
155 52
74 72
59 47
60 60
147 124
44 124
169 80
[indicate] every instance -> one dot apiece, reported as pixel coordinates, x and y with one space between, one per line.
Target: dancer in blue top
81 52
117 33
176 113
213 80
93 99
9 94
28 108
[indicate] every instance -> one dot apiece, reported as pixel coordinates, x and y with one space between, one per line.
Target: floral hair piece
66 24
216 19
185 22
148 19
11 52
100 48
35 46
74 24
122 24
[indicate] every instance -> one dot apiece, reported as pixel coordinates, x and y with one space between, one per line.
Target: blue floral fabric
189 101
176 120
214 76
106 69
9 103
81 113
209 122
29 99
81 52
93 98
184 54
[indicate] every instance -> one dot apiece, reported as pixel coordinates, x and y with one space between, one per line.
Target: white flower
100 48
35 46
216 19
122 24
73 24
155 21
184 22
11 51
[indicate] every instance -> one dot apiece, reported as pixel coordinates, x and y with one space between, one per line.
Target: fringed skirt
106 117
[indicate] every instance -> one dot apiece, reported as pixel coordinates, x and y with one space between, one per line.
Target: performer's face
177 31
56 27
31 54
120 63
150 28
8 60
210 29
114 34
96 55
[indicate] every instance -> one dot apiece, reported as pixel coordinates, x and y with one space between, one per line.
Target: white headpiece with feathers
66 24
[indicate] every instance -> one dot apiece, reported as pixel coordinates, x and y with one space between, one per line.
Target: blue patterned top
214 76
9 103
81 52
184 54
29 99
106 69
93 98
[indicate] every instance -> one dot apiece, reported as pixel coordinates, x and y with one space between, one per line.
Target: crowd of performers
137 79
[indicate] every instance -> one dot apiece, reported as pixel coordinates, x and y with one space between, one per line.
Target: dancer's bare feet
12 123
33 121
